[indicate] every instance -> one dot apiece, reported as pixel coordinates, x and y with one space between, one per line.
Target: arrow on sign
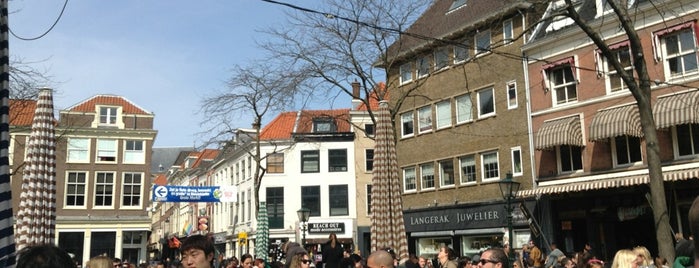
161 191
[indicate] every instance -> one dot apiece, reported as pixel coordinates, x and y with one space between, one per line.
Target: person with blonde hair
643 258
100 262
625 258
300 260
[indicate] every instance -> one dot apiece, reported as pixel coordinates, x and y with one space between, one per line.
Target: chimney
356 101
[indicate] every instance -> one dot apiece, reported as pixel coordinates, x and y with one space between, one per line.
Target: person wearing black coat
332 252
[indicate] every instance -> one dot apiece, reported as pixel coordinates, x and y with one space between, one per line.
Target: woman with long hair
625 258
100 262
300 260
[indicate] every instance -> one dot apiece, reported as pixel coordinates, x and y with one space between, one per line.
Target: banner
171 193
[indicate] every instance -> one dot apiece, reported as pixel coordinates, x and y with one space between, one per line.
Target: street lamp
303 213
509 189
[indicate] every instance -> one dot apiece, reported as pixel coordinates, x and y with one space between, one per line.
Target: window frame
516 152
485 169
609 71
548 71
424 122
72 150
132 185
424 177
477 38
314 206
276 195
368 160
423 66
492 101
441 58
680 54
406 183
106 114
404 70
84 175
275 163
692 140
511 93
105 195
569 157
443 118
461 53
367 190
337 160
461 169
102 152
140 155
369 130
443 172
506 40
629 154
404 120
307 158
458 100
338 198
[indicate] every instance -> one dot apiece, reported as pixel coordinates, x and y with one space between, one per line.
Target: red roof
22 112
89 104
206 154
287 123
161 179
374 98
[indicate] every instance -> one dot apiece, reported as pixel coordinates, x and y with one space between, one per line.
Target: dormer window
108 115
326 124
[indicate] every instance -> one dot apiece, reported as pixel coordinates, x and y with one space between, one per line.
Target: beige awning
562 131
625 181
676 109
618 121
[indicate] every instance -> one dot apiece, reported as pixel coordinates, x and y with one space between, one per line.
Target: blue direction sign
171 193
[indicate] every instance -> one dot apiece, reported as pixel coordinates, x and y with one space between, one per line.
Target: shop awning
618 121
562 131
677 109
607 183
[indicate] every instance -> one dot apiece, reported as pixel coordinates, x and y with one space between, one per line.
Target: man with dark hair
44 256
493 258
380 259
197 252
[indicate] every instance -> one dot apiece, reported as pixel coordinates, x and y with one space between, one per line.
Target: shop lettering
477 216
429 220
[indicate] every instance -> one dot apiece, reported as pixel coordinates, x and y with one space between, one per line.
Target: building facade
102 172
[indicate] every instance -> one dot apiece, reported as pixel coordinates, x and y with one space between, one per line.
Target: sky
164 56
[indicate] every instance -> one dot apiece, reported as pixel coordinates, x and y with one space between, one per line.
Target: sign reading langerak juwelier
171 193
463 217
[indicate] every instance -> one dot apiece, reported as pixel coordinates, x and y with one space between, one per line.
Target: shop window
430 246
627 150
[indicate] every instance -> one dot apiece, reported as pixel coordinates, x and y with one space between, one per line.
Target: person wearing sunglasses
300 260
493 258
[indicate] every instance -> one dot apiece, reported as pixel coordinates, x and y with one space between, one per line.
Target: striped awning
676 109
607 183
618 121
562 131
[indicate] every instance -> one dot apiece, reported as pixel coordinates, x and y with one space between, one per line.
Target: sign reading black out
326 227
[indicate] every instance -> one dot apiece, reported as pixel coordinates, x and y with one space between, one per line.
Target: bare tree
259 89
639 83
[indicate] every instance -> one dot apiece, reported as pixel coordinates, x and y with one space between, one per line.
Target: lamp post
303 214
509 189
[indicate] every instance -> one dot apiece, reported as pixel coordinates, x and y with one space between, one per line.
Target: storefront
468 229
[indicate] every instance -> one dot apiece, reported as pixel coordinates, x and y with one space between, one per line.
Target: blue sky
162 55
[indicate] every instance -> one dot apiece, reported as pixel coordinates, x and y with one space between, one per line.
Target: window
310 161
407 124
464 108
406 73
275 207
482 42
106 150
423 66
337 160
76 184
516 161
446 172
409 179
134 153
368 199
369 130
242 170
507 32
132 190
687 137
242 206
486 103
490 166
427 173
468 169
108 115
461 53
104 189
443 114
324 125
512 95
310 199
680 52
339 204
627 150
424 115
250 204
441 59
369 159
623 55
78 150
560 77
275 163
570 158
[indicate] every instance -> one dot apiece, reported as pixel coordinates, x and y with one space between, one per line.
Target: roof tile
89 104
